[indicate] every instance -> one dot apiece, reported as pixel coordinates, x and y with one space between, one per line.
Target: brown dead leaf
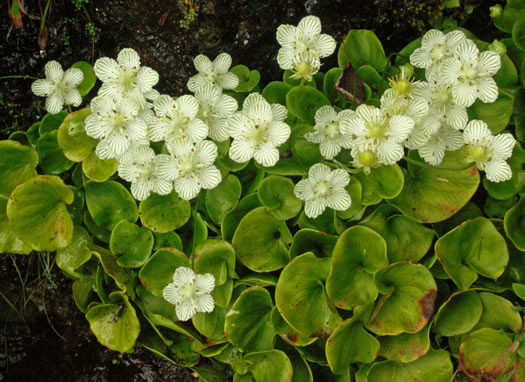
42 39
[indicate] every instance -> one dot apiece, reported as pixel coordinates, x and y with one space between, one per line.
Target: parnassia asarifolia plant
323 227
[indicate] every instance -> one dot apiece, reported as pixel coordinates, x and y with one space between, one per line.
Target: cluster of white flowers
303 46
128 114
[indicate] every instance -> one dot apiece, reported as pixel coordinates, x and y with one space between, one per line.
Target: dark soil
50 339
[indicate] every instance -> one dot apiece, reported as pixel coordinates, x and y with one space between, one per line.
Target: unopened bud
498 47
496 11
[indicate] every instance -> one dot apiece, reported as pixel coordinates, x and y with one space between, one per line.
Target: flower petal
187 105
497 170
202 64
228 80
326 45
286 34
502 145
185 310
465 94
241 151
266 155
54 71
222 63
314 208
73 77
325 114
204 303
339 200
171 294
184 276
54 103
278 133
43 87
129 59
187 187
309 26
107 69
73 97
146 79
487 89
319 172
210 177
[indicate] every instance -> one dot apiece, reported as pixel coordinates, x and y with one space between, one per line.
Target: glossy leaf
98 170
362 47
311 240
499 313
459 314
385 182
405 347
76 253
223 198
304 101
131 243
277 194
9 242
72 138
164 213
515 224
496 115
89 77
248 79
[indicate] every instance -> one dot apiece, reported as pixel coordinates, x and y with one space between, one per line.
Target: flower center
186 167
367 158
127 80
212 76
438 52
469 73
332 130
119 120
376 131
478 153
187 291
303 68
321 188
259 135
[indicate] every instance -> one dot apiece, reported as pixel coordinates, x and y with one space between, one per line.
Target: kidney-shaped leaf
72 137
358 254
459 314
409 292
38 215
499 313
223 198
304 101
475 247
310 240
9 242
514 223
164 213
269 366
301 298
76 253
405 347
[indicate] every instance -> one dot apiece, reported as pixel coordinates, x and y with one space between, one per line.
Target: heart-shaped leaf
132 244
38 215
9 242
260 241
76 253
301 298
287 333
164 213
248 79
50 155
277 194
268 366
409 292
362 47
89 77
158 271
231 220
358 254
385 182
431 194
499 313
247 324
405 347
72 137
459 314
98 170
304 101
17 164
496 114
311 240
514 223
475 247
223 198
275 92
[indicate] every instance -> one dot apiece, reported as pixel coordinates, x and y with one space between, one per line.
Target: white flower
257 131
403 84
489 151
384 133
394 104
190 293
59 87
214 109
116 124
125 77
139 166
191 167
442 107
323 188
327 131
176 120
306 38
470 74
435 48
446 139
215 73
365 155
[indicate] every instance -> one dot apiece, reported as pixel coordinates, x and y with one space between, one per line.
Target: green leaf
248 79
98 170
89 77
33 133
287 333
301 298
82 291
9 242
518 33
475 247
496 114
72 138
51 122
167 240
78 252
164 213
269 366
385 182
218 258
519 290
275 92
406 347
459 314
223 198
409 292
111 268
17 164
231 220
435 366
341 349
358 254
514 223
247 325
362 47
304 152
19 136
158 271
304 101
485 353
260 241
131 243
116 326
405 239
38 215
109 203
51 157
499 313
431 194
311 240
330 80
507 189
277 194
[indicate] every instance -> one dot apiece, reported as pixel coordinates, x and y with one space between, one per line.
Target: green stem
43 22
348 169
25 77
422 164
194 214
69 108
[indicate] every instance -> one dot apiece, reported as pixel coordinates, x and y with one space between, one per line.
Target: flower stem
69 108
422 164
348 169
25 77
